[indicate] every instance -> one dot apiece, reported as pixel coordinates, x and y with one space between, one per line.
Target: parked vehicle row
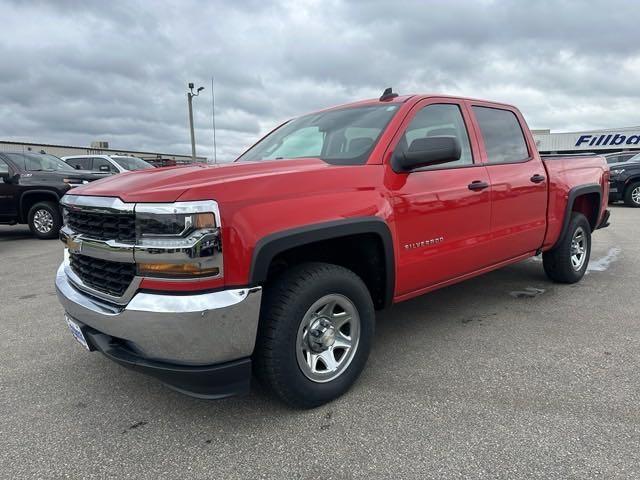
276 263
31 186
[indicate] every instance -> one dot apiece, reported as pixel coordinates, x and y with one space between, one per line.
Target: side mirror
427 151
5 176
104 168
77 167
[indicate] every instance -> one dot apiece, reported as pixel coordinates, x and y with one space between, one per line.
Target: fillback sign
608 139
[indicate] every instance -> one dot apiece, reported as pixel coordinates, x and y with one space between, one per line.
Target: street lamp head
200 89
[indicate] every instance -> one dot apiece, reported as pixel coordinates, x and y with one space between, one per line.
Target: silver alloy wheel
43 221
635 195
578 249
328 338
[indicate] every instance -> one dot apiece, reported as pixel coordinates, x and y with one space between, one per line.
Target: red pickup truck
279 260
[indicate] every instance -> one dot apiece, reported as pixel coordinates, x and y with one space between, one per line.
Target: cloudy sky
76 71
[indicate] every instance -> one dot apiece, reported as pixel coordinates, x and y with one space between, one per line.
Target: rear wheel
632 195
45 220
568 260
316 329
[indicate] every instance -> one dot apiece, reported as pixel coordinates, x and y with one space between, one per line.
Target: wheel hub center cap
322 335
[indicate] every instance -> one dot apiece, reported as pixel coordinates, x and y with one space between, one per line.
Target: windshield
635 158
132 163
344 137
34 162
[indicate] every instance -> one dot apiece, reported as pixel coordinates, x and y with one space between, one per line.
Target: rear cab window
504 140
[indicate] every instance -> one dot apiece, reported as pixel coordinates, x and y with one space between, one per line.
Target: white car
107 163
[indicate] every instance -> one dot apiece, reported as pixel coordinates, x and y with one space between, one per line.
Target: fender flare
574 193
21 213
273 244
633 178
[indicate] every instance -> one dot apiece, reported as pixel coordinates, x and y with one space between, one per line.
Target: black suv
31 185
625 182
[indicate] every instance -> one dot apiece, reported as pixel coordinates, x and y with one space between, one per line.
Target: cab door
8 192
442 212
518 183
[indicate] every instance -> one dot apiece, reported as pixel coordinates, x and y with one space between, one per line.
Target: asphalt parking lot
503 376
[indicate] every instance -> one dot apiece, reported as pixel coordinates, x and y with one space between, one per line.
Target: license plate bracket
76 330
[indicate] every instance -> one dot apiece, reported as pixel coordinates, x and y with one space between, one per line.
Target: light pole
190 96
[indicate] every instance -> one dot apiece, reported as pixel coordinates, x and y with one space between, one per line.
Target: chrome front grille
102 226
112 278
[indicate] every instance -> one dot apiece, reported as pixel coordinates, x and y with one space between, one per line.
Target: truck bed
568 173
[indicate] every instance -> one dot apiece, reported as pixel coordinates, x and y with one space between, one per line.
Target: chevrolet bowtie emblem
74 245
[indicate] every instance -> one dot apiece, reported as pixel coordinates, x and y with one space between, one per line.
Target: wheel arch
270 247
585 199
29 198
631 180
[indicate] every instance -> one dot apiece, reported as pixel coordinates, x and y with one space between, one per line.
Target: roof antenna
388 94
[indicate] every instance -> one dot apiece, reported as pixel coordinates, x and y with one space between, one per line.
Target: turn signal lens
176 269
204 220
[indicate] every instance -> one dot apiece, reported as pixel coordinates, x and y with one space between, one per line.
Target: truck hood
169 183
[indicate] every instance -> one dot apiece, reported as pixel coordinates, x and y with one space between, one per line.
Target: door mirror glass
427 151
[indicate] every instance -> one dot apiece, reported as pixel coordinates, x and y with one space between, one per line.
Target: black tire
285 303
629 194
558 262
49 211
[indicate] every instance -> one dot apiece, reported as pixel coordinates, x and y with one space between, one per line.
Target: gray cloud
76 71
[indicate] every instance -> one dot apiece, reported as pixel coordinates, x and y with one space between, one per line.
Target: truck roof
413 98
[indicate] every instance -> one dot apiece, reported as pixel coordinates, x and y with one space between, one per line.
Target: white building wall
627 138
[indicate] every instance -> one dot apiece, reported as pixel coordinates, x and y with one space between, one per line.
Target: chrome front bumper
198 329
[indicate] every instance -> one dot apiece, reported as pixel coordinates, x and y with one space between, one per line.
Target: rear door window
103 165
503 137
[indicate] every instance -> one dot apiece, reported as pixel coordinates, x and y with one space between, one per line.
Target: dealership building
601 141
97 148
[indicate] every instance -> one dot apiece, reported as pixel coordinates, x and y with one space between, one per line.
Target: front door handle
537 178
478 185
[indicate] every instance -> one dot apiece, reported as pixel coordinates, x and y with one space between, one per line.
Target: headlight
174 219
617 171
178 240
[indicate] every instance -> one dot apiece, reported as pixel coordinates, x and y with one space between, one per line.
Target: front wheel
316 329
45 220
567 262
632 195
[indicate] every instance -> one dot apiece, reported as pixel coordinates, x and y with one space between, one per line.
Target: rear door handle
478 185
537 178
